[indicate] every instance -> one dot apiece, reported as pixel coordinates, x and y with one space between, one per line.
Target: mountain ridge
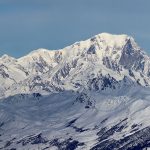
117 54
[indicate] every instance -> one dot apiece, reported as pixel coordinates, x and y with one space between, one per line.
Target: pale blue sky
26 25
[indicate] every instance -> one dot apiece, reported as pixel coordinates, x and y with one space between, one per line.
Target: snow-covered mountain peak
7 59
37 57
39 51
113 37
114 42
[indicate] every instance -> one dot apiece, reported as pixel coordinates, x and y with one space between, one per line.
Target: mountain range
91 95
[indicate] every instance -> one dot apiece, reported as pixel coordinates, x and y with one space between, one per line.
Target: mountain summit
91 95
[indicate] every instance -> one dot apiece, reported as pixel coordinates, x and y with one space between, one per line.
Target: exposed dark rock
37 95
91 50
71 122
33 140
68 144
137 141
1 124
8 143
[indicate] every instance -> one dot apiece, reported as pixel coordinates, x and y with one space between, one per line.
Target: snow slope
32 121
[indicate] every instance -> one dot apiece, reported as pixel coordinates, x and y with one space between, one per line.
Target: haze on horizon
54 24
